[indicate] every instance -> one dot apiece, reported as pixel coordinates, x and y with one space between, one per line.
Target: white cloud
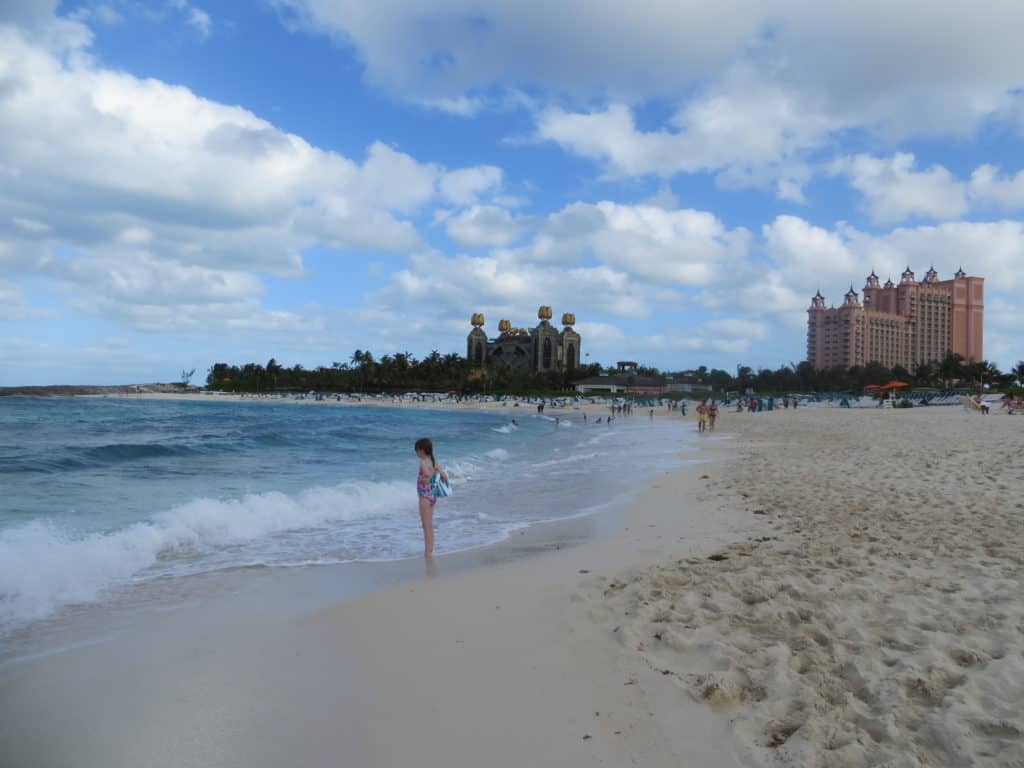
464 187
989 186
811 257
455 48
810 254
101 13
767 82
196 18
201 22
684 247
30 225
486 225
501 285
153 187
749 131
894 191
142 279
663 198
601 336
12 301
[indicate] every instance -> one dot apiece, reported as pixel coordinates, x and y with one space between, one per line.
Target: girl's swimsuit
423 489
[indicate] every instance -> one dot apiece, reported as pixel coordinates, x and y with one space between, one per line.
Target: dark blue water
99 494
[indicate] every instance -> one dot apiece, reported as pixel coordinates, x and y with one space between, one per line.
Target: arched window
570 356
478 354
547 354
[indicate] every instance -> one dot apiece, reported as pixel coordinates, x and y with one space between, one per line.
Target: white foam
507 429
574 459
44 567
497 453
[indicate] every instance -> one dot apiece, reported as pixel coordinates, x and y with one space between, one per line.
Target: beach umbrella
872 386
895 384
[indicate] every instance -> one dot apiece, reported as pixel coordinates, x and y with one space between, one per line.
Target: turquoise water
101 494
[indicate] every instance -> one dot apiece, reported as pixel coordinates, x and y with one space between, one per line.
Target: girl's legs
427 518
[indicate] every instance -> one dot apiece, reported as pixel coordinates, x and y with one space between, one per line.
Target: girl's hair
424 444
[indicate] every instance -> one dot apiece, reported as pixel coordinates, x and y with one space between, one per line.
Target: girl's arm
444 475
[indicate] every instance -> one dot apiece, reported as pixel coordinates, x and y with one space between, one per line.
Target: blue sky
186 182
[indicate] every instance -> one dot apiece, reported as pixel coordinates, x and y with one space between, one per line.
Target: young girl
428 466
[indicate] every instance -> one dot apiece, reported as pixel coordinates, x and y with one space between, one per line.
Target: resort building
541 349
906 324
626 381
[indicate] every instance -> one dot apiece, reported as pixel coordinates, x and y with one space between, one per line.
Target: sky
184 182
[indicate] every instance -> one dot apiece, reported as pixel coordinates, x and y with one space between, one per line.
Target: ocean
98 495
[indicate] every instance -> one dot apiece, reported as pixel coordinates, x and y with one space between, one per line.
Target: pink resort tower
906 324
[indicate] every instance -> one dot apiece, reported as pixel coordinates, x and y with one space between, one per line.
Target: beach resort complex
540 349
906 324
275 493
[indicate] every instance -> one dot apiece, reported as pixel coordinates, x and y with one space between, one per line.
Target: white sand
882 622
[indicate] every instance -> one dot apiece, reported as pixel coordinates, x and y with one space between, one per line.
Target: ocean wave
68 459
574 459
116 452
43 567
497 453
507 429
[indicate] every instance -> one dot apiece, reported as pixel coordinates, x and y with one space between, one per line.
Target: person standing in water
425 491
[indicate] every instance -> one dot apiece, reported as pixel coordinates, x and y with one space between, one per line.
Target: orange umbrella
895 384
872 386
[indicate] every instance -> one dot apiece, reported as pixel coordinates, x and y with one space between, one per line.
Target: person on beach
712 415
425 491
702 415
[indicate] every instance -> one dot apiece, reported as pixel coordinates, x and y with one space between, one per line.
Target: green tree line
951 371
402 372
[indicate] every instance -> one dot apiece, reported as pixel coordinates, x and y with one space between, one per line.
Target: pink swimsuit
423 489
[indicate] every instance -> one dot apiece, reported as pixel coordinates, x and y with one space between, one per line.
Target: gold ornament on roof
568 319
544 313
505 326
477 320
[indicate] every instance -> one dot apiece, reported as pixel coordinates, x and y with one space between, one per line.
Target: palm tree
1018 371
951 368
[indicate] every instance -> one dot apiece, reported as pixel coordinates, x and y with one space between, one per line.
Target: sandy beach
829 588
881 622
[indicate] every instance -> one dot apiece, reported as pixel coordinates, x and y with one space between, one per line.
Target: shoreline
175 645
527 406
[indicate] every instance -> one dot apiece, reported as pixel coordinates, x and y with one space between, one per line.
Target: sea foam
43 566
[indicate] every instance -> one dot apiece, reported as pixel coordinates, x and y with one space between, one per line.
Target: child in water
428 466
